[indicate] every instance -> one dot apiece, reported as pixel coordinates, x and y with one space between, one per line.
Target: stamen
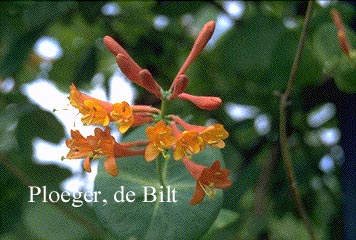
209 190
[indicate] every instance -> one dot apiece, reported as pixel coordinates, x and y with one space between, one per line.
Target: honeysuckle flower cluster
165 132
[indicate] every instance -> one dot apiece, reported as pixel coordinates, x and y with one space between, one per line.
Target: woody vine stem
284 99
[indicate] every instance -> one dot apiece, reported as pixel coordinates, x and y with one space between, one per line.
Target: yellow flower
123 116
214 135
93 110
188 144
160 137
93 113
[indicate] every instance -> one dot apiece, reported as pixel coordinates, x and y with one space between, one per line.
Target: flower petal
86 164
198 195
151 152
110 166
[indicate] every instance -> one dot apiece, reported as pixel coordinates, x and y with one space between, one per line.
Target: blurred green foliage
246 65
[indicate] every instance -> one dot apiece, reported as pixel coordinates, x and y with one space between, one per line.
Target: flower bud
202 102
199 44
180 84
149 83
129 68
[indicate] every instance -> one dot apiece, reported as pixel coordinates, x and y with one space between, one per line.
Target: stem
286 156
163 107
26 181
161 167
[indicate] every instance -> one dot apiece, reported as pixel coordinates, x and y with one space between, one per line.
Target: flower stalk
284 102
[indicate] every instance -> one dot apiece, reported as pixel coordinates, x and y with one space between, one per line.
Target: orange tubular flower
203 102
102 113
102 144
94 111
160 137
188 144
212 135
78 145
93 147
122 114
207 179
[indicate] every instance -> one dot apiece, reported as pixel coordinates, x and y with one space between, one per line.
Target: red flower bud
114 47
202 102
199 44
180 84
129 68
149 83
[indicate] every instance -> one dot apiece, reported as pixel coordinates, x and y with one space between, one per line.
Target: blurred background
47 46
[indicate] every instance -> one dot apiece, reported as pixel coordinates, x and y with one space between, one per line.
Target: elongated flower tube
131 69
207 179
179 86
199 44
149 83
343 41
102 144
203 102
213 135
98 112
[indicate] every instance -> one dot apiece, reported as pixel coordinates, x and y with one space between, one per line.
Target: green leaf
345 75
249 46
86 68
35 123
224 219
47 222
156 220
283 57
287 227
18 51
326 44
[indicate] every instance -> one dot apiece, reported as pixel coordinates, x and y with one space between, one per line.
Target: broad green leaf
326 45
224 219
47 222
283 57
155 220
12 194
345 75
38 123
18 51
287 227
249 45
